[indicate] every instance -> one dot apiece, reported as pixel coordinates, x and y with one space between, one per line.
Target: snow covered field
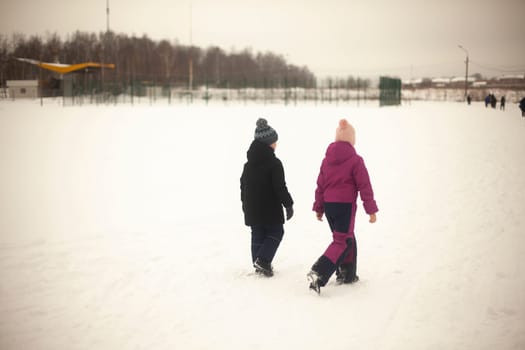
121 228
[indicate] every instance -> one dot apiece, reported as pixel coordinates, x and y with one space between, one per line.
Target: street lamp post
466 70
190 62
107 16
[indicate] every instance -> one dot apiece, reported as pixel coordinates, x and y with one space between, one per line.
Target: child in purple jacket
343 174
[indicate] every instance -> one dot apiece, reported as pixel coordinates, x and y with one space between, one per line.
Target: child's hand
372 218
289 212
319 216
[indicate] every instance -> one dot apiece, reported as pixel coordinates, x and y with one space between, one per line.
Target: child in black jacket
263 195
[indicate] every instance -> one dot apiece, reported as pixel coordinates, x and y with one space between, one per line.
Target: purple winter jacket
343 173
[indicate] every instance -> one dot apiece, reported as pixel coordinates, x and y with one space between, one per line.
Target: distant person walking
263 195
493 100
469 99
502 103
487 101
522 107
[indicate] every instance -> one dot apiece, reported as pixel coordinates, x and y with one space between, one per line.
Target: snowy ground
121 228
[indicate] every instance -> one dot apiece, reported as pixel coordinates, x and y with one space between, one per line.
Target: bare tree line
161 63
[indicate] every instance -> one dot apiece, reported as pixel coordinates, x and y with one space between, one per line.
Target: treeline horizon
160 62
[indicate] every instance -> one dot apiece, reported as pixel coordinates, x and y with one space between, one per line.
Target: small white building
22 88
479 84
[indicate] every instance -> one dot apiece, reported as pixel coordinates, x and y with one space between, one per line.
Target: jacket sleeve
362 180
318 206
279 185
242 184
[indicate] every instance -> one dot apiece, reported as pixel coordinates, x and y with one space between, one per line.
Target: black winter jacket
263 188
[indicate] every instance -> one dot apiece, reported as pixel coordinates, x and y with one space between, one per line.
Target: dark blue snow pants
265 241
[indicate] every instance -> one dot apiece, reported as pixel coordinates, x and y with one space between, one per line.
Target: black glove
289 212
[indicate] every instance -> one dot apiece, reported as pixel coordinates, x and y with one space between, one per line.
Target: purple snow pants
342 250
341 218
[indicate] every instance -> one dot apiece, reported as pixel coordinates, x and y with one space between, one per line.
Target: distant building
22 88
440 82
479 84
510 81
389 91
62 81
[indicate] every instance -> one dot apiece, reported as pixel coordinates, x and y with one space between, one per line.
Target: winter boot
339 276
346 274
263 267
320 273
315 281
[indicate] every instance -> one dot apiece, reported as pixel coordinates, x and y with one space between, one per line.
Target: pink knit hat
345 132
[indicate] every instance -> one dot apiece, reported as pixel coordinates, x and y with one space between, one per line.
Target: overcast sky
407 38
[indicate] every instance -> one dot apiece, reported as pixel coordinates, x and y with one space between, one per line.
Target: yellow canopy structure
67 68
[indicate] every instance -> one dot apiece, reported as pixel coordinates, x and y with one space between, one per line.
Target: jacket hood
259 152
338 152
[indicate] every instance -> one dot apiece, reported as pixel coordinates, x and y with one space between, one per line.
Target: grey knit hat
264 132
